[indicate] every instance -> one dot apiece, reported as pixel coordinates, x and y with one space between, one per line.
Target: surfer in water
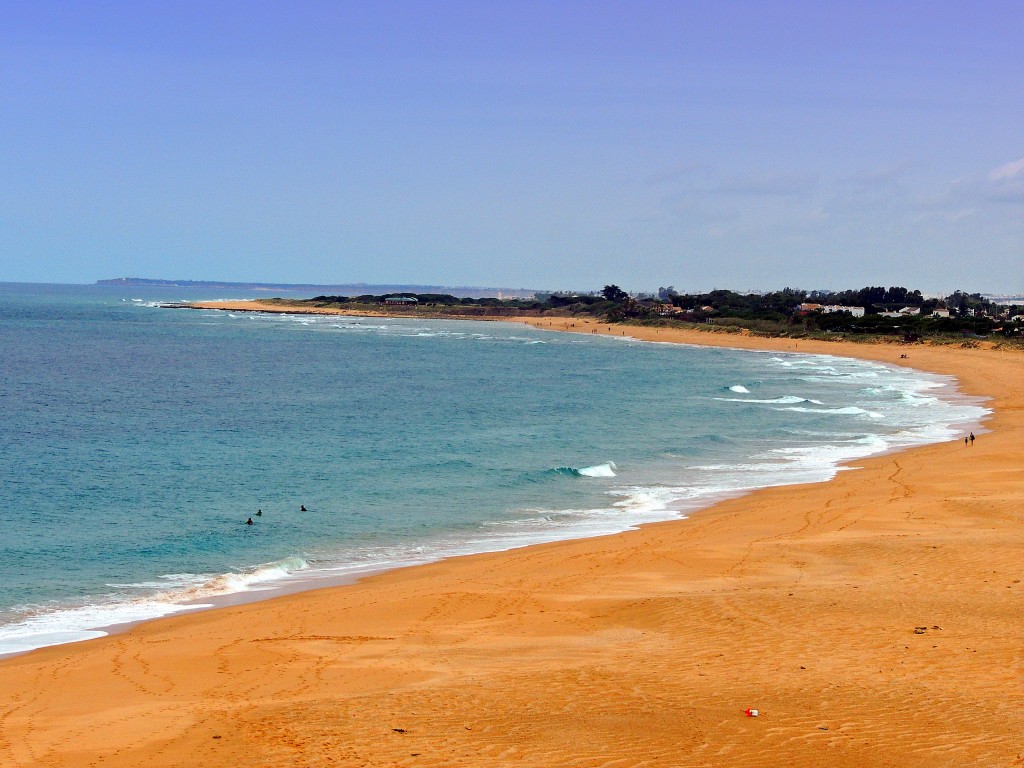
302 508
249 521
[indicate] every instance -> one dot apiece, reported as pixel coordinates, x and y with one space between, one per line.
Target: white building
855 311
905 312
828 308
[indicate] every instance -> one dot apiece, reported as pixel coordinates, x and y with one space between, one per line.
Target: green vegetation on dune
894 313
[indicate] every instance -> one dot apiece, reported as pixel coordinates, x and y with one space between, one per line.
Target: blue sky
517 144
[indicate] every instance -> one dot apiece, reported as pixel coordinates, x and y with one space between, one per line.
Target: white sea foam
600 470
12 641
358 327
740 389
41 626
81 623
792 464
849 410
634 506
785 399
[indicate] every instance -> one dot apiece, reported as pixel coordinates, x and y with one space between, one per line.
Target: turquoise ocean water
136 440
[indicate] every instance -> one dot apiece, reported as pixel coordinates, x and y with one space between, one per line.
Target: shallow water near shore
136 441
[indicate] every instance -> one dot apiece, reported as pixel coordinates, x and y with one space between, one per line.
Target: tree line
773 311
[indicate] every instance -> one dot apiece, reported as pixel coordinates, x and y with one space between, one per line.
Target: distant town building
905 312
1006 299
940 313
400 301
855 311
829 308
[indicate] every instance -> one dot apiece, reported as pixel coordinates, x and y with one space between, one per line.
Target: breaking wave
598 470
784 400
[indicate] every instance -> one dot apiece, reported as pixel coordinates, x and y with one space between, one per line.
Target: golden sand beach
874 620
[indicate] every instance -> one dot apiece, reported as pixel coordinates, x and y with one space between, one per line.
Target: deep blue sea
136 440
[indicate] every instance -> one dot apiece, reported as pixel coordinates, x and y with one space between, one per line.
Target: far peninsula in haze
475 292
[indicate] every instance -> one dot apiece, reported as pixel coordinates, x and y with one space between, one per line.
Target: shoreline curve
802 601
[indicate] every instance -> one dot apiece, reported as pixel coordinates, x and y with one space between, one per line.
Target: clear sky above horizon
547 145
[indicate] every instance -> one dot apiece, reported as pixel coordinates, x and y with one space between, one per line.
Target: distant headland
351 289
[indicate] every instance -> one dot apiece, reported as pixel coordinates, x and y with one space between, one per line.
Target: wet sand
874 620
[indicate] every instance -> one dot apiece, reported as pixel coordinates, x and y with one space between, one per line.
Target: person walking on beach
972 438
